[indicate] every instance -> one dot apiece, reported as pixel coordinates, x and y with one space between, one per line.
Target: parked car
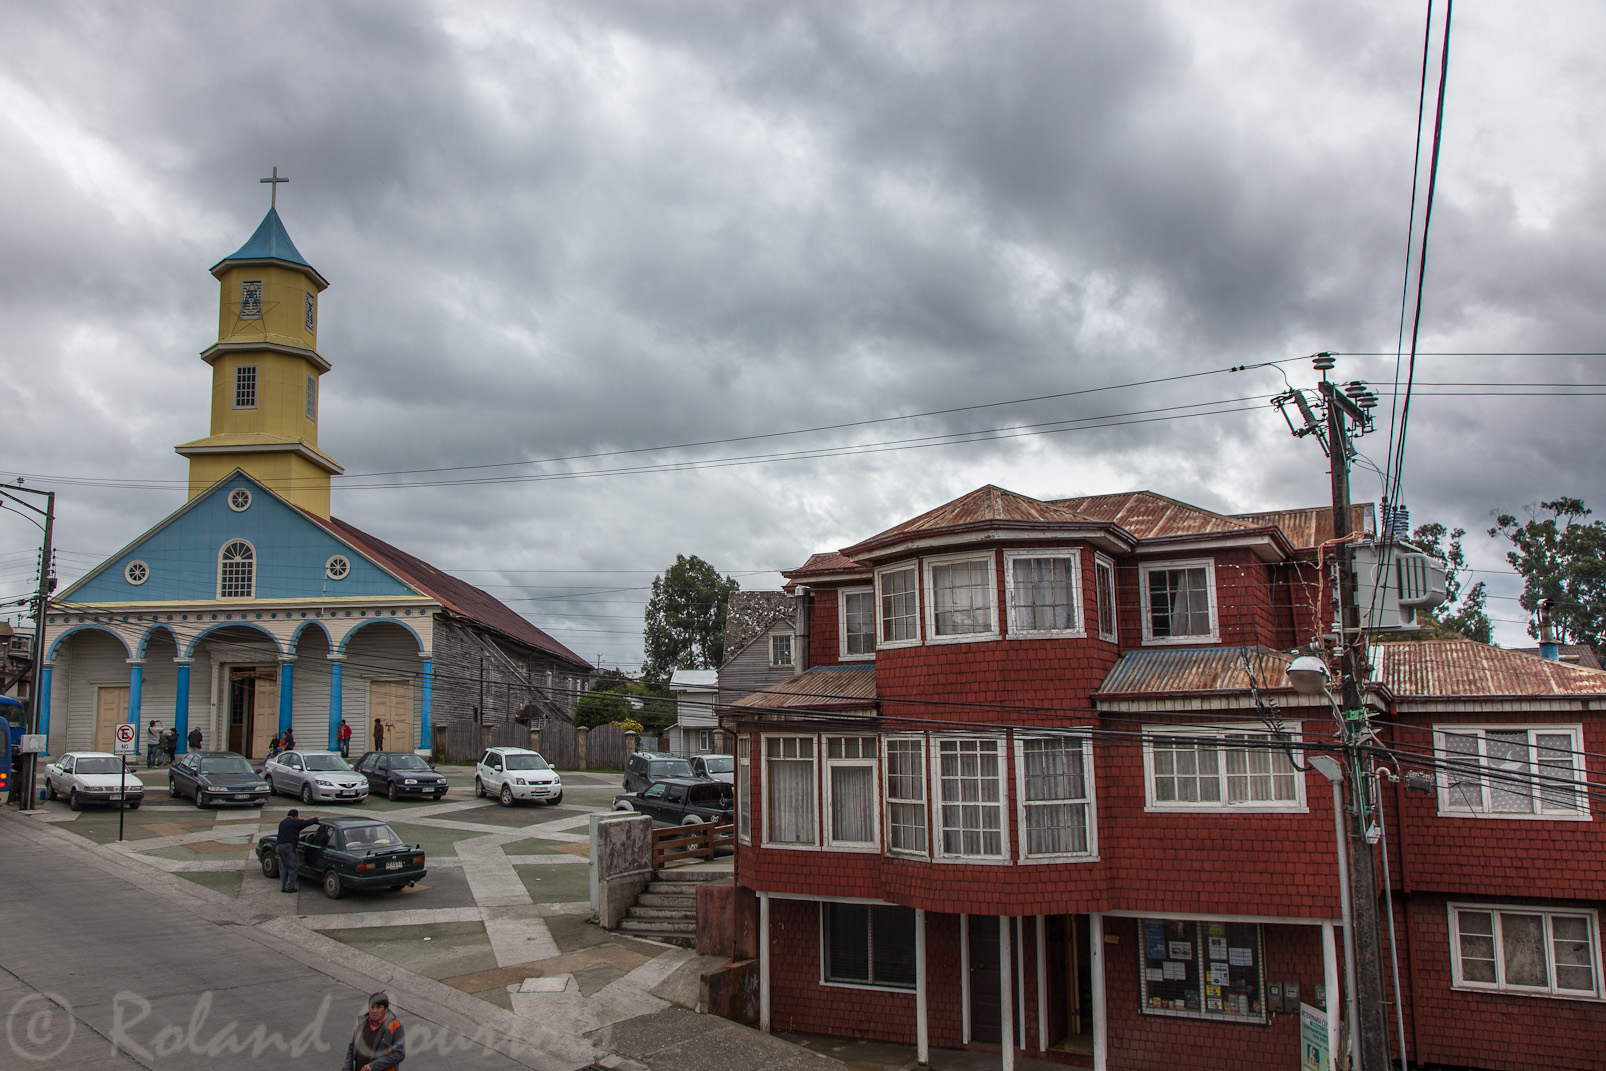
314 775
218 777
399 774
714 767
647 767
517 773
682 801
92 777
347 852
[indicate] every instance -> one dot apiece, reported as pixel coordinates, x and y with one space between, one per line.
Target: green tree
1560 557
606 702
685 627
1468 615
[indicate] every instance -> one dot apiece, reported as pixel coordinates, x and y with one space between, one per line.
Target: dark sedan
349 852
401 775
682 801
222 778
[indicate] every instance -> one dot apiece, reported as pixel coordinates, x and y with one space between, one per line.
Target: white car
92 777
314 775
714 767
517 773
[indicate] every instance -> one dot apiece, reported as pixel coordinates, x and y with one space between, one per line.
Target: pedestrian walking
343 737
153 742
285 846
379 735
195 739
378 1042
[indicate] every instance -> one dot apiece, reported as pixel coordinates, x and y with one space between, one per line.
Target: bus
16 723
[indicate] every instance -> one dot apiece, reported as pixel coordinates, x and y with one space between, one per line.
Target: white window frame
243 372
934 836
881 641
136 572
706 743
1078 617
791 653
928 571
825 949
312 398
888 800
338 567
744 789
1455 796
251 579
866 761
1298 805
1022 805
843 654
814 781
1209 566
1100 564
1459 981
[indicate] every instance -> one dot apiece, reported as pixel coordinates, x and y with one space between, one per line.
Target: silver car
314 775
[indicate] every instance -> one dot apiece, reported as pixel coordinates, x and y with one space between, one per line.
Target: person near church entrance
195 739
285 847
287 742
378 1042
153 742
379 735
343 737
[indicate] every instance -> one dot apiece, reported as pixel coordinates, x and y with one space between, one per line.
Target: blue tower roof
271 242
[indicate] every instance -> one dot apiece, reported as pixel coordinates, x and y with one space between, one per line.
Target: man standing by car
285 845
378 1042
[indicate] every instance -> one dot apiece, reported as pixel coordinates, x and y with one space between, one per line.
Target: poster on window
1202 968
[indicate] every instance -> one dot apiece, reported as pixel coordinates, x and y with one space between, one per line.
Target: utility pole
41 604
1347 410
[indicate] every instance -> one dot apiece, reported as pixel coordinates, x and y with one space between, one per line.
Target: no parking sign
125 743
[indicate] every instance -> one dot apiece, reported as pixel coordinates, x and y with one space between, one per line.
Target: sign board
1315 1052
33 743
127 740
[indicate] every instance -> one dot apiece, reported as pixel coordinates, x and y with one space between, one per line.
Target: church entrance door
253 709
111 710
391 704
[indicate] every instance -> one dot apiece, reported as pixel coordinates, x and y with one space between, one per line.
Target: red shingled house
1027 794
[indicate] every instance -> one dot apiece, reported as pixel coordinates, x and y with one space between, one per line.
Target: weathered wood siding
750 671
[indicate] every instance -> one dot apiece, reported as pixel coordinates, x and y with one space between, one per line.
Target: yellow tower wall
287 473
283 319
281 397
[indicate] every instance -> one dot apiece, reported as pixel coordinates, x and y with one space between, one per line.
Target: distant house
761 647
696 729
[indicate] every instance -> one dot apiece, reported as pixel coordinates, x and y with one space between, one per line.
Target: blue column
44 704
286 691
335 700
427 743
181 706
136 685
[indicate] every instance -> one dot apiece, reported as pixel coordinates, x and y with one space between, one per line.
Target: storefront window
1202 969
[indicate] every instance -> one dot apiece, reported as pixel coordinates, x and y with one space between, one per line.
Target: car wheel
306 793
333 888
623 805
555 800
398 888
506 798
270 864
50 789
390 792
172 790
199 801
271 790
479 788
135 805
73 801
691 820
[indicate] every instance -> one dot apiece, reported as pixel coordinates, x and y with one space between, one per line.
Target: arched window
236 570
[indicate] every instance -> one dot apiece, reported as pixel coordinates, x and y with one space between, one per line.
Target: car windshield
671 768
526 762
377 835
326 763
719 764
227 764
407 762
97 765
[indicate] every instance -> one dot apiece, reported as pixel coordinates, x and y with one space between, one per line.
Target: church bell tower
265 371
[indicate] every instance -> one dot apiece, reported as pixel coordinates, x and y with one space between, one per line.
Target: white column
1095 965
1330 982
922 1029
1042 985
764 962
1006 994
964 977
1020 974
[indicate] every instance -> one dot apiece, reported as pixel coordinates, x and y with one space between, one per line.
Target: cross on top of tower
273 187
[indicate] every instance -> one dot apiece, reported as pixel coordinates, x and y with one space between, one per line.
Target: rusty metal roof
985 507
1451 668
820 688
1194 669
1151 516
823 564
1312 526
1576 654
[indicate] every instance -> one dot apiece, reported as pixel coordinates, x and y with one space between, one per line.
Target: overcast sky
591 232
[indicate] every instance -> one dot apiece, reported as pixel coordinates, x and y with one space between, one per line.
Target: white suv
516 773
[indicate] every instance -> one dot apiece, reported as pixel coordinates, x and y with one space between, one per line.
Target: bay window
790 809
850 792
744 789
959 599
1054 788
897 589
970 799
906 795
1043 594
1104 589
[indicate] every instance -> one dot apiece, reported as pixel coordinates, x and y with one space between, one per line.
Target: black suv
682 801
644 768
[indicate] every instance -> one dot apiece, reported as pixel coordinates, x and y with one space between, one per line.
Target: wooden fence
679 843
605 747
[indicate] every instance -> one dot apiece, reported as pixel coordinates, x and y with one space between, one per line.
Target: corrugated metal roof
1576 654
1312 526
1151 516
1195 669
826 562
1451 668
820 688
984 506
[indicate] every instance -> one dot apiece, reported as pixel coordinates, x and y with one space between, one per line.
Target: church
251 610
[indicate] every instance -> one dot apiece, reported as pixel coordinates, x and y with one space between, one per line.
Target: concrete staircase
667 909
